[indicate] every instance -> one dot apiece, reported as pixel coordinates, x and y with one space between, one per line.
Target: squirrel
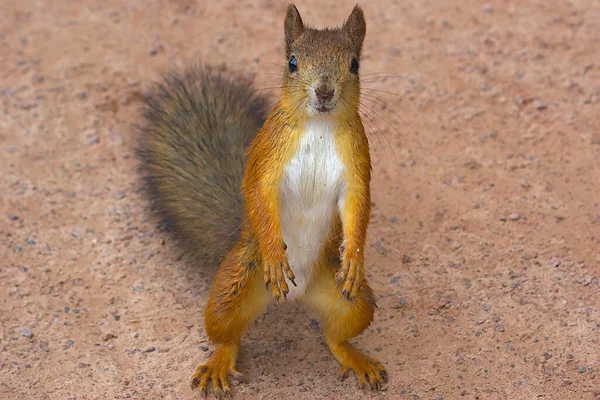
280 199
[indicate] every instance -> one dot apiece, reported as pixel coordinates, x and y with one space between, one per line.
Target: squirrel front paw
351 273
274 271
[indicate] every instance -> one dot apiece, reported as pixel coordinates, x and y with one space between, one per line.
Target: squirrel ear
293 26
355 28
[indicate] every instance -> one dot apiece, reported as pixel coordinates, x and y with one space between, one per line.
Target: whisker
365 114
238 228
392 93
369 122
278 87
384 75
396 129
383 104
277 65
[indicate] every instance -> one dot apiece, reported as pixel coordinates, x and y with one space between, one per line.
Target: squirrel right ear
355 28
293 26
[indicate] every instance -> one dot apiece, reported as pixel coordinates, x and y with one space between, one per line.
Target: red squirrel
280 201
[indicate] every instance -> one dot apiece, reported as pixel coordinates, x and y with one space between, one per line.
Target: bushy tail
197 126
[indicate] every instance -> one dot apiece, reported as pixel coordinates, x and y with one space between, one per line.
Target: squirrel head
321 72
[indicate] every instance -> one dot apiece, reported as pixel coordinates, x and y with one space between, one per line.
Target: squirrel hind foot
369 372
218 369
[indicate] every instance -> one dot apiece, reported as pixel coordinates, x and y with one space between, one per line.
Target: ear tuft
293 26
355 28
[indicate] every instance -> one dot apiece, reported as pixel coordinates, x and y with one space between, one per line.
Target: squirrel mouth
322 109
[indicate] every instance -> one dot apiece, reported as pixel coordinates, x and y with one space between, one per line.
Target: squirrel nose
324 93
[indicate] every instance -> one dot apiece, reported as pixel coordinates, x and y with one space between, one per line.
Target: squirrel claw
238 376
350 277
344 374
216 371
275 274
370 373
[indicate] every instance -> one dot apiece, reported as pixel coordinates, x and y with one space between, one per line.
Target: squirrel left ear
355 28
293 26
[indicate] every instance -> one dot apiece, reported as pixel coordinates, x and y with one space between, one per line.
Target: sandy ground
484 243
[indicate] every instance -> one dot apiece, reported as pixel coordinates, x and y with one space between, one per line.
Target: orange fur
268 154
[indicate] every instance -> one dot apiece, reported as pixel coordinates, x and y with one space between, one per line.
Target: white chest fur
310 192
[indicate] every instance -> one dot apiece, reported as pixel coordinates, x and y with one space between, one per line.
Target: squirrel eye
293 64
354 66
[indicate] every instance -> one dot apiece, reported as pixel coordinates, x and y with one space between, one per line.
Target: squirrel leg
238 295
341 321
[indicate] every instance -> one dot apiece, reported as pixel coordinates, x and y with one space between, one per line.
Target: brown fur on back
197 125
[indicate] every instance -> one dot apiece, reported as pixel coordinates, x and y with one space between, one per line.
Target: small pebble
539 104
150 349
204 348
119 195
514 217
125 236
27 333
91 140
68 344
581 369
524 184
108 336
554 262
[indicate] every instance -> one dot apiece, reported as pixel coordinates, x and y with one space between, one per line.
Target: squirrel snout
324 93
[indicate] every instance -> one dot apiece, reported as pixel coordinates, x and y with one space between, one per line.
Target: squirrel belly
310 191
